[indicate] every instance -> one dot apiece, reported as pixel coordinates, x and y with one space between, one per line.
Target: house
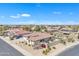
37 39
68 31
53 29
16 33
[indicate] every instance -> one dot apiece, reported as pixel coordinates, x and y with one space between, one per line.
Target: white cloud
14 16
21 15
56 12
25 15
17 16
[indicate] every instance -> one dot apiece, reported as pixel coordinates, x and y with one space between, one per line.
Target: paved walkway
7 50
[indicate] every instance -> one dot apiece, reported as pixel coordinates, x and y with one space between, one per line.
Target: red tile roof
18 31
38 36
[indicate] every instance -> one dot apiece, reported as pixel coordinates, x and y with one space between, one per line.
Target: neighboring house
53 29
67 31
17 33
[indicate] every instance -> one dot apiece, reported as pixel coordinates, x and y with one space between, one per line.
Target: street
73 51
7 50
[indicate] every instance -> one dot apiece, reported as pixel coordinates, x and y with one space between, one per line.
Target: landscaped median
21 50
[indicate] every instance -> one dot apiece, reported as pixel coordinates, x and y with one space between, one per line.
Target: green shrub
44 52
54 47
73 40
29 45
11 38
26 43
64 43
49 48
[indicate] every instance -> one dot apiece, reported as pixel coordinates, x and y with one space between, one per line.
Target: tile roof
18 31
31 36
38 36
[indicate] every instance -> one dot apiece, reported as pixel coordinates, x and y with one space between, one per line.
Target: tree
43 28
37 28
26 27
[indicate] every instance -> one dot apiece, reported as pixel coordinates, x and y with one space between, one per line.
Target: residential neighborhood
40 38
39 29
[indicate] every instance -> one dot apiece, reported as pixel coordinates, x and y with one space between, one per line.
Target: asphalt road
7 50
73 51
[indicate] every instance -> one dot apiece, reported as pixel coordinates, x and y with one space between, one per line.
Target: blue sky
39 13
